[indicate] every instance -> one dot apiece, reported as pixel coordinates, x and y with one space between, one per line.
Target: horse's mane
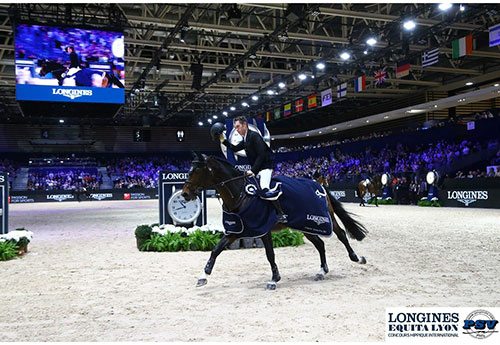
228 165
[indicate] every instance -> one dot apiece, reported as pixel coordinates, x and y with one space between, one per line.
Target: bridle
224 183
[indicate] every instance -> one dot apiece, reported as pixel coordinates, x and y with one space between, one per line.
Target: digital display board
67 64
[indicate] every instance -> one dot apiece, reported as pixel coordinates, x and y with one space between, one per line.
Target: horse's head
199 177
43 70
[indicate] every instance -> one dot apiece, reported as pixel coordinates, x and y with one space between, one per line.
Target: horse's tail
354 228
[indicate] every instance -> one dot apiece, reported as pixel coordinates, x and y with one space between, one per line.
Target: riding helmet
216 129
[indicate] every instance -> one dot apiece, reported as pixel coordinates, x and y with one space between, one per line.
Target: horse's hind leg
341 235
219 247
320 246
268 245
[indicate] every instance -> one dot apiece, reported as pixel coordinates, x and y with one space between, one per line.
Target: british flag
380 76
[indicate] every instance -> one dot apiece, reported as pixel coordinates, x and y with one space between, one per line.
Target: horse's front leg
268 245
223 243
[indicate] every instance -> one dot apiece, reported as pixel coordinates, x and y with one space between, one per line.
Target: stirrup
282 218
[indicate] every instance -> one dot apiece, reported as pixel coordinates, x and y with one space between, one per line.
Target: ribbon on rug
304 201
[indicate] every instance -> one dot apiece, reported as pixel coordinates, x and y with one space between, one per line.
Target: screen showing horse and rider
69 64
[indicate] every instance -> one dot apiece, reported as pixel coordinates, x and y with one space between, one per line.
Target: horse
209 172
84 77
372 186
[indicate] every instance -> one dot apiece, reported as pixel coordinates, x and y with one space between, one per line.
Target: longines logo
60 197
101 196
318 219
337 194
467 197
175 176
71 93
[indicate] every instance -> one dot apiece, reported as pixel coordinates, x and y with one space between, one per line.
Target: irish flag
462 47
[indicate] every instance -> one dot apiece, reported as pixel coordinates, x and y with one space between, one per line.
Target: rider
259 156
74 61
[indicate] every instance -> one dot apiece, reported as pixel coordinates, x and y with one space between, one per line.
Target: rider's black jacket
258 153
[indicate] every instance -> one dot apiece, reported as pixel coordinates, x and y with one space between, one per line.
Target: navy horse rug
304 201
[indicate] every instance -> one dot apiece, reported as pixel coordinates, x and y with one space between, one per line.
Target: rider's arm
234 148
260 147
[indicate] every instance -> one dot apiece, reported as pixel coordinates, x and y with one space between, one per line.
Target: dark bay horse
372 186
82 78
209 172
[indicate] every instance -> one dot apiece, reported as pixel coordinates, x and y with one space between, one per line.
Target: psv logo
480 324
126 196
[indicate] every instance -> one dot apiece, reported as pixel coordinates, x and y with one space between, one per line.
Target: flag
360 84
342 90
326 97
380 76
311 101
299 105
462 47
288 109
402 69
268 116
277 113
430 57
495 35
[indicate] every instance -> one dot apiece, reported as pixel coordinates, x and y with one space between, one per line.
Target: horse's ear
199 155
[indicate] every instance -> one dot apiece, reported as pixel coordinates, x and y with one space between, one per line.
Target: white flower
16 235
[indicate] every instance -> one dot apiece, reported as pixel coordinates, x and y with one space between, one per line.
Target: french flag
360 84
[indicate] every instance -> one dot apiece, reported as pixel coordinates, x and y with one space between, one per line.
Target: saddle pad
304 201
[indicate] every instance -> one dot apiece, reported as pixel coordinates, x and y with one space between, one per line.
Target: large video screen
64 64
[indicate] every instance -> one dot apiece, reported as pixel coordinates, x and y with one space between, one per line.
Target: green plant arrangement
426 203
14 243
388 201
169 238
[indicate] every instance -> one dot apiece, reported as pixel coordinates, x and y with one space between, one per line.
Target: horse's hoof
271 286
319 277
201 282
362 260
276 278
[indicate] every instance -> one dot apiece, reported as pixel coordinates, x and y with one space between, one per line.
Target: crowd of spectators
132 172
64 180
10 167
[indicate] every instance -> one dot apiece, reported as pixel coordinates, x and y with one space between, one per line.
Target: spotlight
281 85
302 76
345 56
365 52
61 121
320 66
224 113
270 92
255 98
409 24
209 120
232 108
462 8
469 83
445 6
371 41
200 123
245 104
215 116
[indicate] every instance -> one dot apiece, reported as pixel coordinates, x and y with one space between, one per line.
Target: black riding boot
281 216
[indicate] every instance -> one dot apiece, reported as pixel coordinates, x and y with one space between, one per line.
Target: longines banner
101 194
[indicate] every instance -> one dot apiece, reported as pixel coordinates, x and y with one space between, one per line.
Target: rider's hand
250 173
221 137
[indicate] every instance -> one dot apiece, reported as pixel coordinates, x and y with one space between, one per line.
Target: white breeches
265 178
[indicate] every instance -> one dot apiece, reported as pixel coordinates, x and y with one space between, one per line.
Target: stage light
232 108
320 66
409 24
345 56
224 113
200 123
365 52
462 8
215 116
270 92
209 120
302 76
61 121
245 104
281 85
371 41
255 97
445 6
469 83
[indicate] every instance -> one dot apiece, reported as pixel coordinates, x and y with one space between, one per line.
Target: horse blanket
304 202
